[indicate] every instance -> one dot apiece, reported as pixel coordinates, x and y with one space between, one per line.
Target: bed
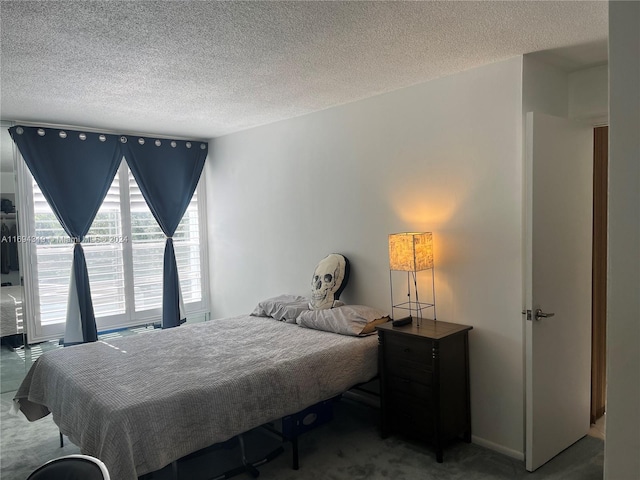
10 310
141 402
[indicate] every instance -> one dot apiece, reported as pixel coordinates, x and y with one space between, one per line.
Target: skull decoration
329 279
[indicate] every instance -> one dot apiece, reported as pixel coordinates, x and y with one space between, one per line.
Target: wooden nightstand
424 381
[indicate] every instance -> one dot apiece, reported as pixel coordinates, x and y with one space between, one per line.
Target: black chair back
71 467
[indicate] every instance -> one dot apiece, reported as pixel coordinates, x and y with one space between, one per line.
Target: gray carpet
348 448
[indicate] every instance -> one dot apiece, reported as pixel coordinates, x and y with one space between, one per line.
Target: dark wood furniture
424 381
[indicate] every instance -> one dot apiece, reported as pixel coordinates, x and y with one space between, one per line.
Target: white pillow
285 308
356 320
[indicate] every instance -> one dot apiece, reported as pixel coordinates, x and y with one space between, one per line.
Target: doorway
599 279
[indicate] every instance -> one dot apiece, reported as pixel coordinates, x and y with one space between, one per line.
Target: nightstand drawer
418 372
403 347
409 387
411 416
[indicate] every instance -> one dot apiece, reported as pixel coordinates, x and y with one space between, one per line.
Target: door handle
540 314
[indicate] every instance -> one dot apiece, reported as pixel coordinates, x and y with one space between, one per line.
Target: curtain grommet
123 139
188 144
102 138
62 134
41 132
202 146
173 143
19 130
158 143
82 136
141 141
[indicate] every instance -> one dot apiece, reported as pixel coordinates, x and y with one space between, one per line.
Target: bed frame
142 402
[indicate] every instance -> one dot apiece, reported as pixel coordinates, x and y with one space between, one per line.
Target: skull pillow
328 281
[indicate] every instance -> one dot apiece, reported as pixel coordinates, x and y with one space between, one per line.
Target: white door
558 179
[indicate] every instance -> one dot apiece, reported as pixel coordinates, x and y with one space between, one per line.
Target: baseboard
497 448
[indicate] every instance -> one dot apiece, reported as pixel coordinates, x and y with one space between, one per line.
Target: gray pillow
356 320
285 308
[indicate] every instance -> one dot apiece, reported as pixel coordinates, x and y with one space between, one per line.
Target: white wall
589 95
545 88
621 460
581 95
444 156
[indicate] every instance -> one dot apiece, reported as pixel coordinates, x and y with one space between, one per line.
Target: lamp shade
410 251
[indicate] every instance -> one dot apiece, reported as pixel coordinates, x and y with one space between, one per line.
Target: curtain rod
101 130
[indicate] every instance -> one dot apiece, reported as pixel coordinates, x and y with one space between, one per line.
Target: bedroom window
124 250
54 254
148 252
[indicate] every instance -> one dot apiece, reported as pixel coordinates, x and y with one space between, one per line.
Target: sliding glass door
124 251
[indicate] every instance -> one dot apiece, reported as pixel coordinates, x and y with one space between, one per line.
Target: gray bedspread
142 401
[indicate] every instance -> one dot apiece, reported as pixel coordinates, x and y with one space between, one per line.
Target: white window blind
148 243
103 253
124 250
53 261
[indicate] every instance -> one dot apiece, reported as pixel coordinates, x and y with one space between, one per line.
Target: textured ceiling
204 69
